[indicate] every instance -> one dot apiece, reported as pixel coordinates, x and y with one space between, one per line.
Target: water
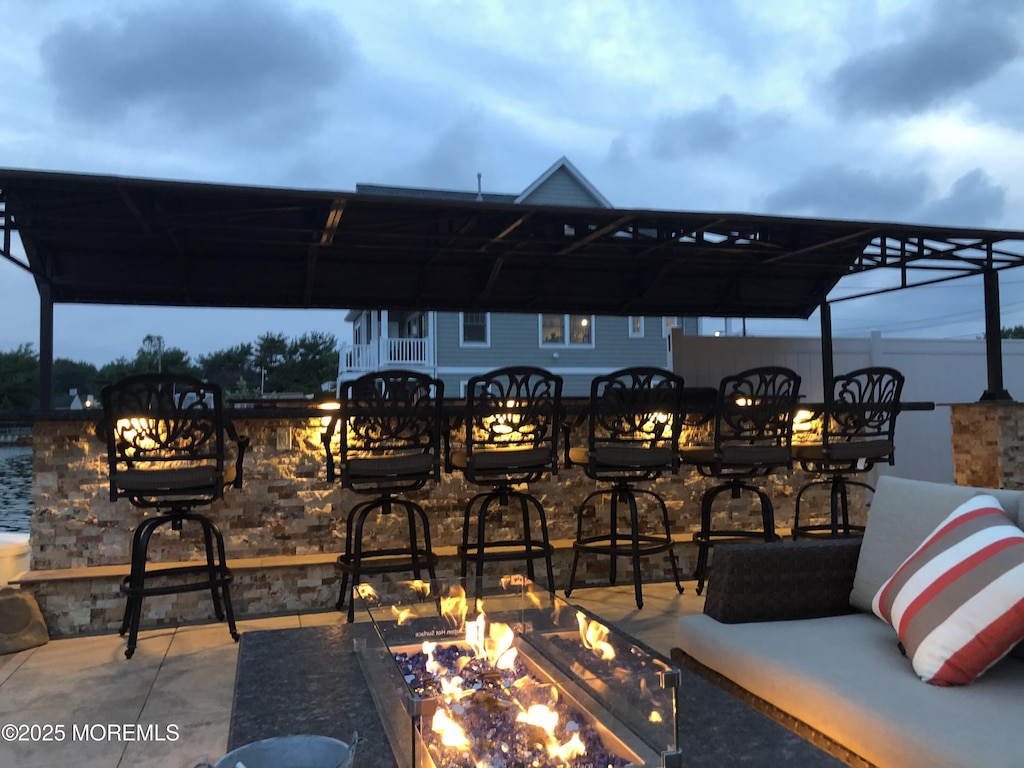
15 488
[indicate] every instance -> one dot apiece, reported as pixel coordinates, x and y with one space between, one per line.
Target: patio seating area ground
170 705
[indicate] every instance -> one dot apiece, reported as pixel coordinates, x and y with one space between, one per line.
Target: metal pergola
95 239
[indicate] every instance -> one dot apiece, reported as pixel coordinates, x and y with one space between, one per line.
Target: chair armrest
242 444
781 581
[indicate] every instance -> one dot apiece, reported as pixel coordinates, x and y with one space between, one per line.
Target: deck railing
386 353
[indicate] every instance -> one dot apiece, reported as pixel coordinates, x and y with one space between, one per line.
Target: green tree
233 369
154 357
115 370
311 360
271 352
79 375
1014 332
19 378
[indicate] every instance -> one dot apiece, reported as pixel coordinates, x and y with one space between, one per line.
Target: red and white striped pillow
957 603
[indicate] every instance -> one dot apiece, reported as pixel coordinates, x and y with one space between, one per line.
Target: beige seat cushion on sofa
844 676
902 514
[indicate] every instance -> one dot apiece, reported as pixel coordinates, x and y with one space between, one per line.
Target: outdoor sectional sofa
789 628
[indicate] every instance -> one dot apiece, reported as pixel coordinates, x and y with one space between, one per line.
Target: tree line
273 364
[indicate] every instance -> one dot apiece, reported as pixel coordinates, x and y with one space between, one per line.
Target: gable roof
562 167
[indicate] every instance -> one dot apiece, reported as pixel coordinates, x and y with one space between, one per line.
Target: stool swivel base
706 536
358 561
839 506
632 543
213 575
527 547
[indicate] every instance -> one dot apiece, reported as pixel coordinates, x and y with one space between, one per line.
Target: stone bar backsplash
988 444
287 507
287 510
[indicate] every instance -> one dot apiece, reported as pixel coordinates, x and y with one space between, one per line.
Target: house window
563 330
636 326
476 329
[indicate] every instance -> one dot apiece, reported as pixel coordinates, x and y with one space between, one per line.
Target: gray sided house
454 346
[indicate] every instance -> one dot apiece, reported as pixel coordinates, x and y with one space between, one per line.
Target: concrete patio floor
170 705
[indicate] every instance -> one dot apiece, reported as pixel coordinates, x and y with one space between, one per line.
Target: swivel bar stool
858 427
633 431
165 438
512 420
753 437
389 437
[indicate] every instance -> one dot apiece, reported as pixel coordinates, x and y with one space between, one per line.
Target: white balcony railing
386 353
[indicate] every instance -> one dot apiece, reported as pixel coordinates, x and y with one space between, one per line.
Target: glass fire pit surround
518 678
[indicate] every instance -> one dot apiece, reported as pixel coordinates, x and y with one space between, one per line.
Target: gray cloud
837 191
973 200
455 156
959 47
709 130
197 64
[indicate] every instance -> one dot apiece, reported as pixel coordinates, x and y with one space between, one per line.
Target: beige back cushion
902 514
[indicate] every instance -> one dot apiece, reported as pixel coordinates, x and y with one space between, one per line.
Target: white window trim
639 334
475 344
565 344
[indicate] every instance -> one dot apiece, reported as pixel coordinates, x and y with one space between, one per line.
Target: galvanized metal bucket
300 751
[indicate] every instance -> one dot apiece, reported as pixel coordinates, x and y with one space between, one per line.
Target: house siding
561 189
515 340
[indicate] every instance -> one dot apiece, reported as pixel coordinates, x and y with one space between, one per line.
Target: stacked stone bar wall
287 508
988 444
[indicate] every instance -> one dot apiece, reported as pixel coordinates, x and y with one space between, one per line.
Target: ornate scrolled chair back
634 424
165 439
512 424
754 419
860 420
391 431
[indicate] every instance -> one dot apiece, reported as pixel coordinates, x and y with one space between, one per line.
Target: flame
655 716
420 587
475 634
592 635
454 607
451 688
366 591
498 646
401 614
540 715
512 580
451 732
546 718
491 642
432 665
574 747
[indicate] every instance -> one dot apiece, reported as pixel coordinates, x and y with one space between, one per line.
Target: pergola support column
993 340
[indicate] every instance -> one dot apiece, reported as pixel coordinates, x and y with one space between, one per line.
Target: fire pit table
517 678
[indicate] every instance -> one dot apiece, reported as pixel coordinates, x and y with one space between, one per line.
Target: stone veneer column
988 444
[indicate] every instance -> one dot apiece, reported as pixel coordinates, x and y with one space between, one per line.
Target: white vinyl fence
936 370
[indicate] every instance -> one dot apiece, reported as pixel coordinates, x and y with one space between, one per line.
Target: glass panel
579 329
432 649
552 329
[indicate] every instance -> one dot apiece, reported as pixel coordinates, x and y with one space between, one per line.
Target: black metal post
993 340
827 364
45 346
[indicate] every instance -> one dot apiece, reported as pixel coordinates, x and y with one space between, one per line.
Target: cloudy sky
899 110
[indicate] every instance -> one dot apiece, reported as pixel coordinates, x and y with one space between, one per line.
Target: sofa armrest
781 581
